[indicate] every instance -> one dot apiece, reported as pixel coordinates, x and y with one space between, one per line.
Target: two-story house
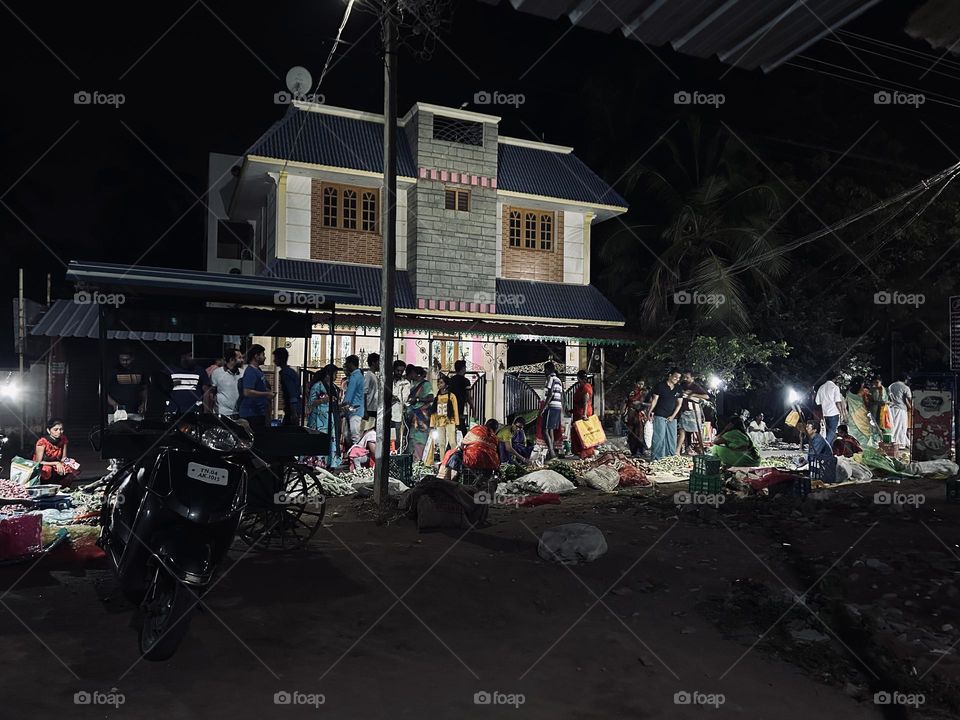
493 236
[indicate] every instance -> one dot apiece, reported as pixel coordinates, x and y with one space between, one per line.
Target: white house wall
298 217
401 229
573 249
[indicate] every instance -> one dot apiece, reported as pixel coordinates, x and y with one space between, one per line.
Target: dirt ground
775 608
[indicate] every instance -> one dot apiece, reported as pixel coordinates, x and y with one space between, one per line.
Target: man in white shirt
830 400
224 388
901 405
371 389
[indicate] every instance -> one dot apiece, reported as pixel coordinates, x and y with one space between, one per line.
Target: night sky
105 183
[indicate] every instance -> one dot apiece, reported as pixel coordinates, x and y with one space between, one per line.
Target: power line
900 48
952 102
899 61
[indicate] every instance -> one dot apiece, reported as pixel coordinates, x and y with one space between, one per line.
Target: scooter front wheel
166 613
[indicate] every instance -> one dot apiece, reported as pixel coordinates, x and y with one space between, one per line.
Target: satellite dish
299 81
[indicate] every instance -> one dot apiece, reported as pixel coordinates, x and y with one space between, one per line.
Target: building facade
493 237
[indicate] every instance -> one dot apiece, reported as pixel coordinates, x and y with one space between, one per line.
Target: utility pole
21 338
388 219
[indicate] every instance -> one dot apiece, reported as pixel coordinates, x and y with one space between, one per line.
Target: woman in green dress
734 447
860 422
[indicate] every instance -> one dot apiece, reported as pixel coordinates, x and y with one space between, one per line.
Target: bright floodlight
793 396
714 382
10 390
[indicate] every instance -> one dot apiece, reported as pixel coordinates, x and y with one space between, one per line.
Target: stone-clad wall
452 254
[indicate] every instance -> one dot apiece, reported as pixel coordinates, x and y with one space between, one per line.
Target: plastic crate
705 484
401 468
707 466
801 486
953 490
823 468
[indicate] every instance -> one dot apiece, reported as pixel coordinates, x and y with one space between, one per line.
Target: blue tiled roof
364 279
553 174
526 298
555 300
356 144
332 140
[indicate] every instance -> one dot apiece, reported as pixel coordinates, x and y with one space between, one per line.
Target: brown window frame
351 210
532 229
458 195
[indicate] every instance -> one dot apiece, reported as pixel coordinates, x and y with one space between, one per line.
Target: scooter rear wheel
285 508
166 613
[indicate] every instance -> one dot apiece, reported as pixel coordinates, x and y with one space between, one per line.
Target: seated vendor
480 451
818 443
758 432
512 441
734 447
362 454
51 453
845 444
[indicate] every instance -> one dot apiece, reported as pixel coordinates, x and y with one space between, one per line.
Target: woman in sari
417 410
323 408
860 422
734 447
582 409
480 447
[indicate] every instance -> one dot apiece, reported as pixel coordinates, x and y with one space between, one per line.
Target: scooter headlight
220 439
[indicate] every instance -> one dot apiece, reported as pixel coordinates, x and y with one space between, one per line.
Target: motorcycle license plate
207 474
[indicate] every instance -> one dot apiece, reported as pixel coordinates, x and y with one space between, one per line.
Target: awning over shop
487 329
67 318
224 287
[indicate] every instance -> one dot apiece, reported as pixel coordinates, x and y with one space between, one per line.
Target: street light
793 397
715 382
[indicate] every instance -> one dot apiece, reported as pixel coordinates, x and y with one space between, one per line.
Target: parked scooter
169 518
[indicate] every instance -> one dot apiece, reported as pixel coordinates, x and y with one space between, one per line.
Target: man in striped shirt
552 407
190 383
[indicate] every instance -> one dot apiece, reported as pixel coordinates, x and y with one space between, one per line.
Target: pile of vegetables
563 468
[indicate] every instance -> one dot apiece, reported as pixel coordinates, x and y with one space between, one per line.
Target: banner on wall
932 424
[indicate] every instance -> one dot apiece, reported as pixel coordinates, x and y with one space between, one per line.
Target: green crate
705 484
953 490
707 465
401 468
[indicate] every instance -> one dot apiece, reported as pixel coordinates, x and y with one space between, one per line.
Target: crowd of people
666 419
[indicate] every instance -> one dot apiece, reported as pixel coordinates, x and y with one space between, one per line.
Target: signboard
932 424
955 333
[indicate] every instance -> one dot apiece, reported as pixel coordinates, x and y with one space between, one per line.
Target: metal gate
520 395
478 394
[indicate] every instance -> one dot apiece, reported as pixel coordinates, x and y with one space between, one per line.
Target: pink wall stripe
473 179
423 172
443 175
484 181
493 182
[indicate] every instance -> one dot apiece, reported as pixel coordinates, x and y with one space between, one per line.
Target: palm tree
707 217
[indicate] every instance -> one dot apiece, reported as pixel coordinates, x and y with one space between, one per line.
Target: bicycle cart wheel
285 508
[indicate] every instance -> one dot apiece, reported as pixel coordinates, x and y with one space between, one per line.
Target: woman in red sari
582 409
51 451
481 449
